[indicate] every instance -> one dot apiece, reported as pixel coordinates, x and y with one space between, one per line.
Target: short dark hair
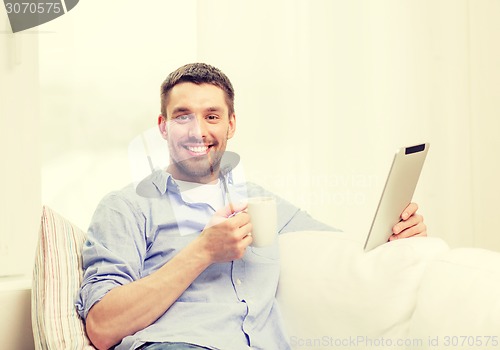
197 73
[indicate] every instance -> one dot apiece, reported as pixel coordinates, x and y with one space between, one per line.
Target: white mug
263 216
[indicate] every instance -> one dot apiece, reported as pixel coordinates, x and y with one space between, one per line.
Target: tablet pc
397 194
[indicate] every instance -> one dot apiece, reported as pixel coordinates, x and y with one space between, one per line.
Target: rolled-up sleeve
114 250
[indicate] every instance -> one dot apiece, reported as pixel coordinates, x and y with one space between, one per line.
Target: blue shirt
229 306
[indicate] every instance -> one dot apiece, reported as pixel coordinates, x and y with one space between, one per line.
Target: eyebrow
178 110
214 109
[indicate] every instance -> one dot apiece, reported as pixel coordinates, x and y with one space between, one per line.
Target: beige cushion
57 276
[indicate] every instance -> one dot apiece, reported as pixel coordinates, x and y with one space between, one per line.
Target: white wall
484 119
329 89
325 92
19 181
19 149
102 66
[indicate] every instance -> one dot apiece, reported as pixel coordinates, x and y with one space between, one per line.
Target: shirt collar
164 181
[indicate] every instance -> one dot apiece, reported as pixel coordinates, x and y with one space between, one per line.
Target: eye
212 118
182 119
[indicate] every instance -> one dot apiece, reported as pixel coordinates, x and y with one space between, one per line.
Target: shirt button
238 282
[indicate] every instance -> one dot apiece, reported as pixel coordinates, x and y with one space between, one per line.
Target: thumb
225 212
231 209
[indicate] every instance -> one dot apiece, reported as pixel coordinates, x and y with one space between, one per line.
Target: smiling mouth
198 150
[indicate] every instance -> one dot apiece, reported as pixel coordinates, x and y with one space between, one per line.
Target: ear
232 126
162 126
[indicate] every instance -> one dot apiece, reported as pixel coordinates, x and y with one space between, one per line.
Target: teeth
198 149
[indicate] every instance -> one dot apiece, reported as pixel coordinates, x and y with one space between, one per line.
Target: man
171 267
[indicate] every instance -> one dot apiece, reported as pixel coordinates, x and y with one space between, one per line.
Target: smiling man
200 121
174 269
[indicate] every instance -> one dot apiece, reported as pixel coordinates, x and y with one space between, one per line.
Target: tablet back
397 194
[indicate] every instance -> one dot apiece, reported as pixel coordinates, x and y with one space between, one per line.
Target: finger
239 220
244 242
403 225
224 213
395 237
419 229
232 209
240 249
409 211
247 239
243 232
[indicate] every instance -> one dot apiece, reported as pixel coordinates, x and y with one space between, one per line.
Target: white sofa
410 294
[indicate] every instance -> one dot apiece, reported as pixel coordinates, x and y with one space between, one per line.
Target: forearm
129 308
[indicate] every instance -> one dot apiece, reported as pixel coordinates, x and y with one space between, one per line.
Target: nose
198 128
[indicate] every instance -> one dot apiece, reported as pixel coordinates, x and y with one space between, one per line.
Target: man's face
197 127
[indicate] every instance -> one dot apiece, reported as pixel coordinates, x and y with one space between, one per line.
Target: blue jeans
170 346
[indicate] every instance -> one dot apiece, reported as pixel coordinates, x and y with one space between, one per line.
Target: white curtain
325 92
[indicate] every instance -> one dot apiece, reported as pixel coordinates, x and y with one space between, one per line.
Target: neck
212 177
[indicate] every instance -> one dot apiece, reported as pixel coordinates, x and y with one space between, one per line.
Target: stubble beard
206 167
